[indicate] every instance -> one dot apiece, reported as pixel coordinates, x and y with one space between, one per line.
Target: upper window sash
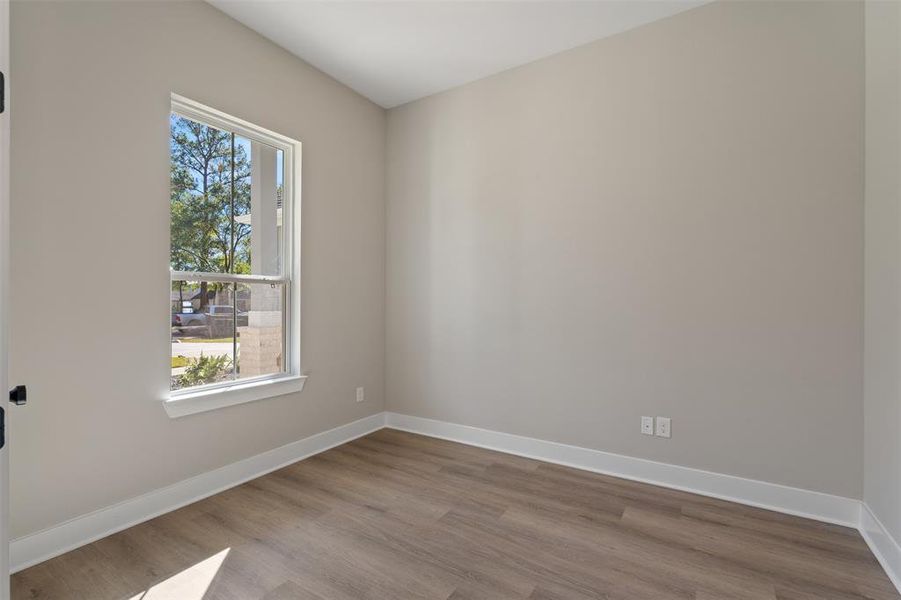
250 187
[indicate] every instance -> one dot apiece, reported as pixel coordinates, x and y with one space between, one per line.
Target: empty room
450 299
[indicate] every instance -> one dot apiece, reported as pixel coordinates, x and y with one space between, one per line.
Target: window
233 257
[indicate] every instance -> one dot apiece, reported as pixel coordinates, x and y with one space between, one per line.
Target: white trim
885 548
38 547
227 277
182 404
197 111
761 494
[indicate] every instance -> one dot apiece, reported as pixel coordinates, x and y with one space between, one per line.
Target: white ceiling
395 52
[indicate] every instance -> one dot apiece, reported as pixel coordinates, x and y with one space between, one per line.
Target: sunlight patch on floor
190 584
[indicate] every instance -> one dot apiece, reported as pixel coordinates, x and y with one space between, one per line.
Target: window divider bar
233 252
226 277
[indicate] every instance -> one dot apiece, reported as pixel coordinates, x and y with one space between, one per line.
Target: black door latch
17 395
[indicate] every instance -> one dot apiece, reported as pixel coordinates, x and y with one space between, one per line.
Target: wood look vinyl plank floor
395 516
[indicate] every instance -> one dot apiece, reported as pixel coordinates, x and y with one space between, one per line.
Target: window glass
229 284
203 341
261 338
203 169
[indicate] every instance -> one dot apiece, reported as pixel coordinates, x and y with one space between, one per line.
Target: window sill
180 405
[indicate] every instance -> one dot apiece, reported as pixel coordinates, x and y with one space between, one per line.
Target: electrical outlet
663 427
647 425
361 394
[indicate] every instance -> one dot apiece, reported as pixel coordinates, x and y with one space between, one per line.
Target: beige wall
666 222
90 247
882 357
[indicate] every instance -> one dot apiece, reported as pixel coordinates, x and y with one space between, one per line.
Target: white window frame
218 395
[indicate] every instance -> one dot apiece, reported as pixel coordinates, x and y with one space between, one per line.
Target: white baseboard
56 540
772 496
884 546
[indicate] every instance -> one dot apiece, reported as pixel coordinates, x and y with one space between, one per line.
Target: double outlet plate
659 426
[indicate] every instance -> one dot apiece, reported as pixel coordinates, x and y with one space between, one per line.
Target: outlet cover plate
664 427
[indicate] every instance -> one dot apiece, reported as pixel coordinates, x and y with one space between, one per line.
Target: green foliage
205 369
205 162
179 361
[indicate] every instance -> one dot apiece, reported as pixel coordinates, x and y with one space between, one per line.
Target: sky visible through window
243 143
